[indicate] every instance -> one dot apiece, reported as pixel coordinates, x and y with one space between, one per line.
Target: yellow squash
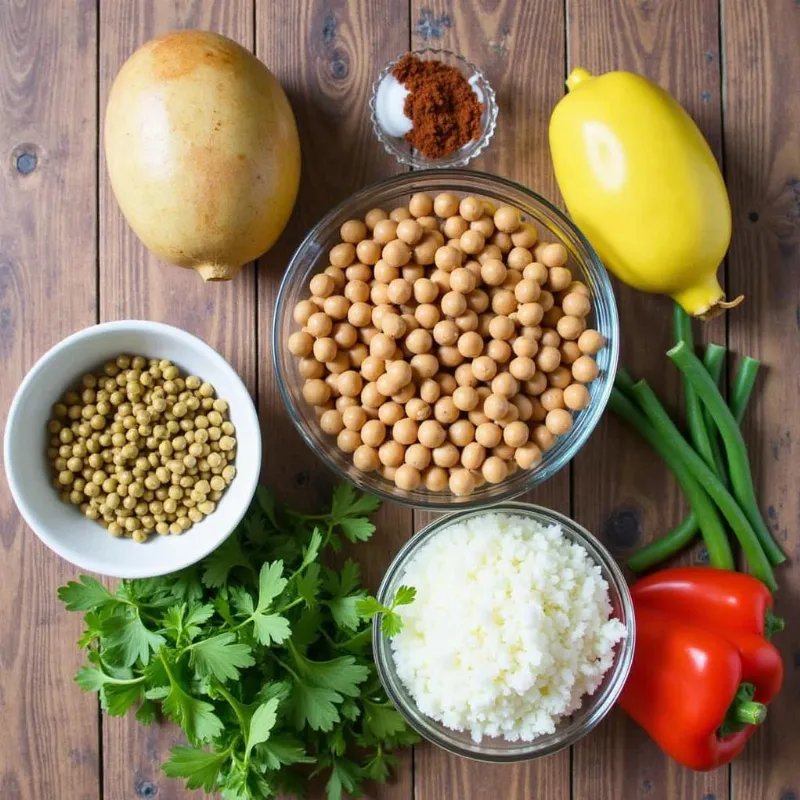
642 183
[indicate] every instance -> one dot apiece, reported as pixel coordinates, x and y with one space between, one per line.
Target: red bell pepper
703 669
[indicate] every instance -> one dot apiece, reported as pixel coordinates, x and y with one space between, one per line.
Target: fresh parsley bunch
260 653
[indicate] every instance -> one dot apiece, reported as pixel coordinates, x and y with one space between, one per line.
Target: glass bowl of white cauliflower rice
520 636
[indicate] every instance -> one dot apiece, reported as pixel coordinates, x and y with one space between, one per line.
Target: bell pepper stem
750 712
772 624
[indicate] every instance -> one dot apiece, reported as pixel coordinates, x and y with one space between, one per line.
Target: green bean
708 480
624 381
719 552
714 361
698 432
743 386
735 449
664 547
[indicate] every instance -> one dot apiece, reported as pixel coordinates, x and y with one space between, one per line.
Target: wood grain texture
326 55
48 180
762 154
621 491
520 48
135 284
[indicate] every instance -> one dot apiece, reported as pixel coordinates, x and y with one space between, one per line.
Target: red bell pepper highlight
703 670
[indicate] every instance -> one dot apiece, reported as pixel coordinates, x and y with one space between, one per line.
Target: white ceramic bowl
62 527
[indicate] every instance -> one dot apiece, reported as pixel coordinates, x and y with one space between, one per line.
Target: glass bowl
311 257
569 730
398 147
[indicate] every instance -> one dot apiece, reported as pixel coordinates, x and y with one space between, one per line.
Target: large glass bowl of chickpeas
445 337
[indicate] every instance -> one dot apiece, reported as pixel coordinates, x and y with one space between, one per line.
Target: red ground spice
442 106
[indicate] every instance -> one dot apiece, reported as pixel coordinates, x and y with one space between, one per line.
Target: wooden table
68 260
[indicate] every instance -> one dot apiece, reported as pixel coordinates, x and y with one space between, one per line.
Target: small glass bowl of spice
432 108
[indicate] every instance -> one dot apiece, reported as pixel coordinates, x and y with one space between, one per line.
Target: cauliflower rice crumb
510 628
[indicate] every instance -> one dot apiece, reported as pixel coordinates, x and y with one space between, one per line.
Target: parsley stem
235 705
284 664
294 602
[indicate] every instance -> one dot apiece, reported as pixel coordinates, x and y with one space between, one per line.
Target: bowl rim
433 731
452 161
128 325
406 180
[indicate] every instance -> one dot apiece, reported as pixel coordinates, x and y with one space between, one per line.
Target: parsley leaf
199 767
88 595
221 657
196 717
220 563
261 724
127 638
391 621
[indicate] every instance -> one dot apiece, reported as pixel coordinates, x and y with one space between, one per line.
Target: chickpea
368 251
494 470
381 346
576 396
550 338
431 434
493 272
322 285
530 314
442 280
419 341
409 231
553 255
515 434
420 204
391 453
478 301
585 369
429 223
399 214
471 208
591 342
465 398
336 306
342 255
373 433
527 456
324 350
445 333
390 413
435 479
356 292
425 249
348 441
424 365
385 231
358 272
507 219
301 314
570 328
496 406
524 236
374 216
445 410
546 301
548 358
527 291
570 352
576 304
448 257
558 421
427 315
418 456
464 376
331 422
407 478
552 398
501 327
462 280
393 325
425 290
498 350
401 372
462 482
405 431
488 434
445 205
470 344
372 368
429 391
542 437
484 368
397 254
350 384
417 409
522 368
518 258
471 242
504 303
315 391
366 458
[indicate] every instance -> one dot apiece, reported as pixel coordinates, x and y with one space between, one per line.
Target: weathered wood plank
48 184
134 284
762 155
621 491
326 55
527 71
